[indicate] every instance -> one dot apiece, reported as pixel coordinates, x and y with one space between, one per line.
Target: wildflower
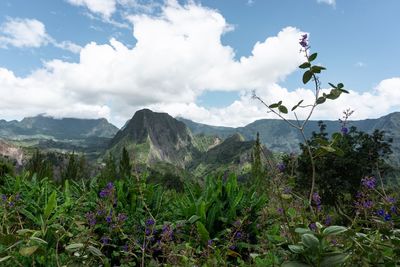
121 217
100 212
3 197
328 220
313 226
368 204
107 191
316 198
90 217
108 219
303 41
210 242
147 231
380 212
17 197
281 167
11 204
287 190
238 235
388 217
390 199
344 130
105 240
150 222
393 209
280 211
232 247
237 223
369 182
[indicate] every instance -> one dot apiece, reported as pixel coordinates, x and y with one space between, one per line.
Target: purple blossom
121 217
107 191
91 218
303 41
147 231
17 197
3 197
11 204
150 222
125 247
313 226
393 209
105 240
232 247
388 217
380 212
328 220
237 223
238 235
108 219
210 242
280 211
390 199
316 198
368 204
344 130
369 182
287 190
281 166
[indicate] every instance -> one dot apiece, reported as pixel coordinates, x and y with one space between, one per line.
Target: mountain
67 134
61 129
153 138
278 136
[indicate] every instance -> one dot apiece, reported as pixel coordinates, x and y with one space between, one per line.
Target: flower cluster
369 182
304 41
281 167
11 200
317 201
107 191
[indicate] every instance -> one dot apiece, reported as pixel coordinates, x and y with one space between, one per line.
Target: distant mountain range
153 138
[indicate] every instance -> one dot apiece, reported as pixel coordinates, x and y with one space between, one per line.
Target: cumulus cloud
177 57
103 7
328 2
26 33
23 33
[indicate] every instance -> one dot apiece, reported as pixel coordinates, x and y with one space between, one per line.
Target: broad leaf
307 76
334 230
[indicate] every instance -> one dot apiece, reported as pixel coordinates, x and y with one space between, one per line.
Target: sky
200 60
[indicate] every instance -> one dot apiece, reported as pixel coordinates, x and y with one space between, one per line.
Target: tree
256 165
125 166
363 154
109 172
39 165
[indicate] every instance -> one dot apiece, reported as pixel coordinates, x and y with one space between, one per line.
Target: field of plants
329 206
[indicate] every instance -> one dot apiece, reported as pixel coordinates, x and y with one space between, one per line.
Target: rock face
65 128
11 152
155 137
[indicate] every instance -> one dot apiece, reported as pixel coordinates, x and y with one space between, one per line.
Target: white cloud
328 2
103 7
23 33
26 33
177 57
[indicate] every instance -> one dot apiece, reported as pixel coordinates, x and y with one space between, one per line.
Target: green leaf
334 230
307 76
331 84
340 85
321 100
297 105
328 148
312 57
95 251
344 91
204 235
283 109
296 249
4 258
317 69
294 264
305 65
39 240
51 204
302 230
335 260
310 241
74 246
193 219
339 152
28 251
275 105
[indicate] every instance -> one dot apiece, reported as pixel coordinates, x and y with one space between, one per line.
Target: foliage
360 155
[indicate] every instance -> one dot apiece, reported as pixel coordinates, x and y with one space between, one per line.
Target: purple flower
281 166
316 198
393 209
303 41
101 212
328 220
390 199
287 190
210 242
11 204
17 197
110 186
122 217
238 235
344 130
105 240
3 197
380 212
232 247
369 182
150 222
91 218
388 217
108 219
368 204
148 231
313 226
280 211
237 223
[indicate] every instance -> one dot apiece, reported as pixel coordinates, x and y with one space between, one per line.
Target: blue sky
61 57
